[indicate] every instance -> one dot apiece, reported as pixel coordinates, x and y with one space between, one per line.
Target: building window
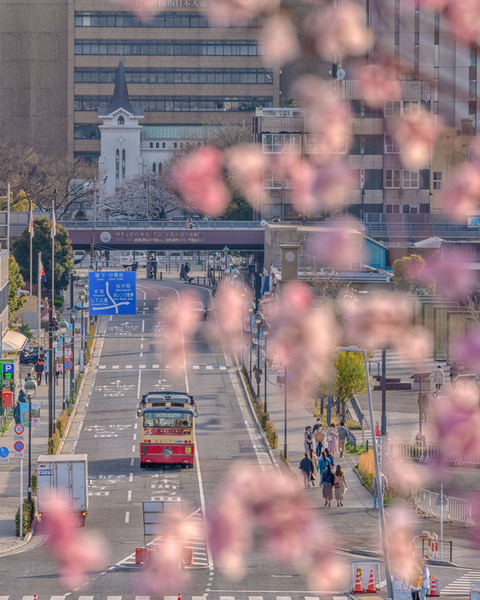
121 121
185 20
159 168
167 48
151 144
392 208
123 163
292 142
117 167
175 145
157 145
437 180
154 167
316 144
272 143
272 179
163 145
391 147
86 132
401 108
410 179
392 179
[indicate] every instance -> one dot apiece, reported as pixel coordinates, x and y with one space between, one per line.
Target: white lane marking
139 384
223 367
135 426
129 496
127 517
102 367
111 317
141 354
155 366
85 598
143 325
209 367
196 367
134 437
133 448
115 366
132 462
141 346
130 478
142 366
129 366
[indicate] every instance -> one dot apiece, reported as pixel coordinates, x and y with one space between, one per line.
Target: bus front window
166 420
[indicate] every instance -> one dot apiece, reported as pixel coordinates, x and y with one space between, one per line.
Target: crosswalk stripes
269 596
156 367
461 586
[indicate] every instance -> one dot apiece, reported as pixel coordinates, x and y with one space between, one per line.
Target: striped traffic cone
371 584
179 596
434 590
358 583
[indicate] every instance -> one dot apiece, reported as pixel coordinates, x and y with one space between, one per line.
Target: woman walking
308 440
323 463
339 485
306 467
314 459
327 481
332 439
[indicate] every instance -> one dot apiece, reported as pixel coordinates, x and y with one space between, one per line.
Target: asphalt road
132 362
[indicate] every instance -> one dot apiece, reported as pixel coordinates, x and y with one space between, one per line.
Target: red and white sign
68 353
18 446
19 429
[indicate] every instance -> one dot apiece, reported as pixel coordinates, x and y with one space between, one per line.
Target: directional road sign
112 293
4 452
18 446
19 429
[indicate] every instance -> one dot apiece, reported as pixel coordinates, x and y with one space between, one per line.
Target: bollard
161 275
367 445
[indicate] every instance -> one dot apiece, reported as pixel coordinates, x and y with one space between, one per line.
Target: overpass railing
161 225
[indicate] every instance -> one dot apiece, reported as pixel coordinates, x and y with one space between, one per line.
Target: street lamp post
82 297
63 328
73 316
378 473
31 390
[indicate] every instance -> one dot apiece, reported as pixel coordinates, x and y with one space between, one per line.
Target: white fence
426 452
455 509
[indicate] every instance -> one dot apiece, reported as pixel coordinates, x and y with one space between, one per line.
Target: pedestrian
46 376
415 581
308 439
306 467
187 270
314 459
342 437
332 439
323 463
16 413
454 371
39 370
327 481
182 272
319 438
28 377
340 485
375 489
316 426
439 377
22 397
423 405
58 371
425 579
329 457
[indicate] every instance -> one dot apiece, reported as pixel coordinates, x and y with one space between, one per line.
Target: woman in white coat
439 377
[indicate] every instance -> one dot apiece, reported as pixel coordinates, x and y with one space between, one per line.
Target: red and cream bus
167 429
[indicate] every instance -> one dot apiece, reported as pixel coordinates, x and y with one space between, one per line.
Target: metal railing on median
425 452
455 509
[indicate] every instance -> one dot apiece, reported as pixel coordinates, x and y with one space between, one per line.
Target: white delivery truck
64 476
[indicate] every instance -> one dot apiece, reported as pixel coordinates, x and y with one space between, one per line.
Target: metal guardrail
423 453
415 231
455 509
161 225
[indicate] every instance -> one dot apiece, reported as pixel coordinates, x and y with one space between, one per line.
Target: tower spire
120 98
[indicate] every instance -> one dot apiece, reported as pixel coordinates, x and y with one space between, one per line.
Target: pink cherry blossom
198 178
452 273
462 192
467 350
401 527
455 422
340 30
238 12
339 245
227 326
279 40
76 551
246 164
379 83
181 322
415 134
464 20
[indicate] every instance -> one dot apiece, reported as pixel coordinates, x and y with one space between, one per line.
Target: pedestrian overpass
166 235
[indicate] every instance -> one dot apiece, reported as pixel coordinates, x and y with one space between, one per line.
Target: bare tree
141 197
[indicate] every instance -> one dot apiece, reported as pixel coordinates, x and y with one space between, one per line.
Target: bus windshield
167 419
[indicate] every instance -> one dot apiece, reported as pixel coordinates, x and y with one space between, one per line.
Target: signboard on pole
4 458
112 293
81 360
36 414
401 586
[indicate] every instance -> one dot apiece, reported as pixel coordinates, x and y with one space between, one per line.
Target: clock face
290 256
105 237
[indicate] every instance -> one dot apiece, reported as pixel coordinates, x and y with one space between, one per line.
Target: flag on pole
53 231
31 229
42 270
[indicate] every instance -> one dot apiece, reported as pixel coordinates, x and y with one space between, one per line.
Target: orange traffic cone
358 583
371 584
434 590
35 597
179 596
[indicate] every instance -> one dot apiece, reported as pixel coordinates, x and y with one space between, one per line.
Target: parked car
29 356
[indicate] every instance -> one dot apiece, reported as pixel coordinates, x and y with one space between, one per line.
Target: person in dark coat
182 272
306 467
327 481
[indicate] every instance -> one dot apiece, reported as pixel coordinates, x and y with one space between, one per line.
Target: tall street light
30 392
63 328
82 295
73 317
378 473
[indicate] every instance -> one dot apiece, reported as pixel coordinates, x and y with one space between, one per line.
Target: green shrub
34 482
53 443
60 300
264 417
28 516
272 435
25 330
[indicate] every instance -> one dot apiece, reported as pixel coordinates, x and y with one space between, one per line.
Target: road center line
139 384
130 478
129 496
143 325
127 517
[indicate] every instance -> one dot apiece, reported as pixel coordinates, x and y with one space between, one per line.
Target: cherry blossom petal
279 40
199 179
238 12
181 323
229 311
467 350
452 273
339 245
462 192
378 83
415 134
246 164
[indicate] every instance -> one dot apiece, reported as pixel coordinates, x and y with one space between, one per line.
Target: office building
58 62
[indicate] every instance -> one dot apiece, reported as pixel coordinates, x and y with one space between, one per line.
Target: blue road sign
68 365
8 367
112 293
4 452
